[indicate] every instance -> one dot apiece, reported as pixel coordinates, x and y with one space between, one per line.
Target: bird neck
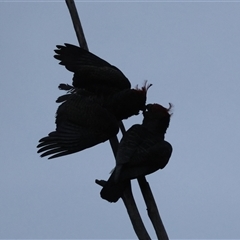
155 128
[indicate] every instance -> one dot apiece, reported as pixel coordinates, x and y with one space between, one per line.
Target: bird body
141 151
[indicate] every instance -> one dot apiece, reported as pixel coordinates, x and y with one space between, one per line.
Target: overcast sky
189 51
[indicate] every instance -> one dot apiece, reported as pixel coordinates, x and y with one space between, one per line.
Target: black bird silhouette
141 151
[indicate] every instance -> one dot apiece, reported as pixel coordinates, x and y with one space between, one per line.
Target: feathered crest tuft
145 87
159 108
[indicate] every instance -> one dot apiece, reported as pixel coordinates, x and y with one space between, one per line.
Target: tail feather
112 190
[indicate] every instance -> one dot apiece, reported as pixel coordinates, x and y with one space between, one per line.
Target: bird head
128 102
139 97
143 91
157 117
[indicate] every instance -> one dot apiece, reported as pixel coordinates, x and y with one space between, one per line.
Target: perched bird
81 122
90 72
142 151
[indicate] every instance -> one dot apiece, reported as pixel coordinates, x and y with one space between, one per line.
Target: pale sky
189 51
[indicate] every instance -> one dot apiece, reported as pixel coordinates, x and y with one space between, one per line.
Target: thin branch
133 213
77 24
122 127
114 145
128 199
152 209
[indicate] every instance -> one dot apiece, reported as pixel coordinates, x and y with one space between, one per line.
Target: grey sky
190 52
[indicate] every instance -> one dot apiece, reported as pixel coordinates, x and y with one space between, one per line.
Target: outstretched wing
90 71
81 123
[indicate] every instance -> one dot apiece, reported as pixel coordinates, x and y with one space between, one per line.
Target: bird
142 151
